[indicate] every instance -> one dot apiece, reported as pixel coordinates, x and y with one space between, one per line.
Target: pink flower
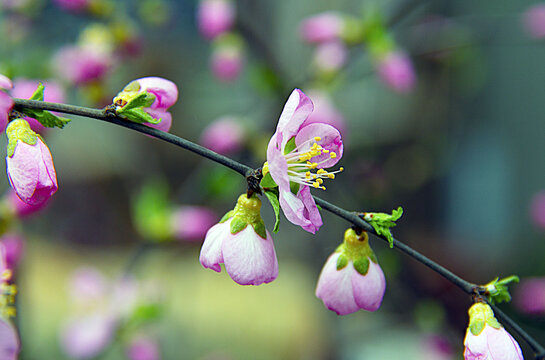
530 296
20 208
6 103
330 56
73 5
294 151
225 135
80 65
486 338
227 63
13 245
166 95
30 166
325 111
87 336
24 88
396 71
537 209
534 21
351 278
191 223
241 242
323 27
143 348
215 17
9 341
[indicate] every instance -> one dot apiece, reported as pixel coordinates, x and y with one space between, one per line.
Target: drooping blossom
166 95
294 152
323 27
224 135
190 223
330 56
9 341
537 209
143 348
486 338
73 5
20 208
351 278
325 112
534 21
79 65
215 17
241 242
13 248
6 103
396 71
227 58
24 88
29 163
530 296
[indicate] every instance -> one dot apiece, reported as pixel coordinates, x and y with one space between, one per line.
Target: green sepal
373 257
142 100
259 228
362 265
227 216
19 129
38 93
494 323
267 182
290 146
382 223
44 117
137 115
237 225
342 261
294 188
477 326
272 196
497 290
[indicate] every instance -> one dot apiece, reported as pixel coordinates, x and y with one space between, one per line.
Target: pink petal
293 208
191 223
5 82
501 345
476 347
9 341
165 91
249 259
369 289
165 116
211 252
88 336
6 103
311 211
24 170
326 26
214 17
295 112
278 167
330 140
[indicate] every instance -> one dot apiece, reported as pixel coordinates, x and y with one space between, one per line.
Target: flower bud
351 278
20 208
486 338
396 71
6 103
330 57
30 166
241 242
191 223
81 65
323 27
225 135
13 245
534 21
215 17
227 58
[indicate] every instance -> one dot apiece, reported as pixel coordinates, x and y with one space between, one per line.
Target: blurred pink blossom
530 296
537 209
396 71
325 112
224 135
13 245
79 65
9 341
87 336
72 5
20 208
534 21
191 223
143 348
215 17
24 88
330 56
436 347
6 103
323 27
227 63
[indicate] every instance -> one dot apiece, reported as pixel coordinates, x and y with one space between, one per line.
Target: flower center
301 168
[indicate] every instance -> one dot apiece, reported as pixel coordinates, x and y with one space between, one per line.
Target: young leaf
142 100
382 223
38 93
44 117
272 195
137 116
498 291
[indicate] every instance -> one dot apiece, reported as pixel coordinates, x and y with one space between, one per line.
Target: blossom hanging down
297 154
351 278
241 242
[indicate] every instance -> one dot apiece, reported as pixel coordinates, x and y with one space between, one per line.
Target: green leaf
259 228
362 265
342 261
268 182
237 225
142 100
38 93
497 290
382 223
151 212
46 118
272 195
137 115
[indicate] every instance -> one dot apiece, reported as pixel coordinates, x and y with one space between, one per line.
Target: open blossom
297 154
323 27
351 278
486 338
6 103
24 88
241 242
191 223
166 95
9 341
215 17
29 163
225 135
396 71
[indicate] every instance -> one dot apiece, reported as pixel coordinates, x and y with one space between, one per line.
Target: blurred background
440 105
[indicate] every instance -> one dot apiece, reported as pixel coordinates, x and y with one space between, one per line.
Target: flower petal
278 166
211 253
165 91
24 170
293 208
310 211
330 140
335 287
88 336
501 345
5 82
165 116
249 259
295 112
369 289
476 347
9 341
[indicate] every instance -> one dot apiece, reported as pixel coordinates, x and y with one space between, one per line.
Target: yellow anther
316 184
321 171
6 275
331 176
323 187
325 151
341 169
333 155
307 174
320 181
317 138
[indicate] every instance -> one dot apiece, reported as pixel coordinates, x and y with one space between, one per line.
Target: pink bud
9 341
323 27
227 63
6 103
537 209
73 5
13 249
143 348
24 88
396 71
31 171
81 65
165 91
534 21
19 207
225 135
325 112
215 17
192 222
530 296
330 56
